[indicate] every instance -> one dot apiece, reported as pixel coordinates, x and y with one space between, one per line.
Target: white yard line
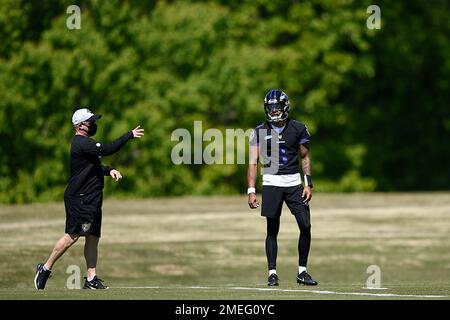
290 290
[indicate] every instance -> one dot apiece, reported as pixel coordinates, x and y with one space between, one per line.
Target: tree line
375 101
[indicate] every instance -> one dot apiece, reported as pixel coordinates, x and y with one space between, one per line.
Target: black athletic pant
304 241
272 202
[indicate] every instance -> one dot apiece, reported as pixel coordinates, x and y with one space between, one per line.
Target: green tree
375 101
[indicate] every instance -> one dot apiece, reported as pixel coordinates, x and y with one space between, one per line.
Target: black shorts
273 198
84 214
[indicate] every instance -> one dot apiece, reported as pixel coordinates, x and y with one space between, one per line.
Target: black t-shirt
86 170
288 141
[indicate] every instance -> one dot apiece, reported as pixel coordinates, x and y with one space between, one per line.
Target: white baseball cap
84 115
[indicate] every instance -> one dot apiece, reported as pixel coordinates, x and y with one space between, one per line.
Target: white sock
301 269
272 271
47 269
90 278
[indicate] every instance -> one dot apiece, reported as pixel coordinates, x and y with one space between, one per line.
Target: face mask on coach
91 128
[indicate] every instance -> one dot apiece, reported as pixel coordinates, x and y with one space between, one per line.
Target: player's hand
252 201
116 175
307 194
138 132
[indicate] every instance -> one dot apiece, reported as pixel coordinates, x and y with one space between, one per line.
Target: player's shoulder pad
298 125
260 126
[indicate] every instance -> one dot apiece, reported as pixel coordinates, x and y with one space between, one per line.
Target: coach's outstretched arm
252 173
100 149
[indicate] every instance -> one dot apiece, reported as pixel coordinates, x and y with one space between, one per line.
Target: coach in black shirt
83 197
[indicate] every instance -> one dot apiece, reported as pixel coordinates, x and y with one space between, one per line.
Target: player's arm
252 173
306 167
94 148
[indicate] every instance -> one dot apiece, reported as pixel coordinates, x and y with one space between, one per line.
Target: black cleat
305 278
273 280
41 276
94 284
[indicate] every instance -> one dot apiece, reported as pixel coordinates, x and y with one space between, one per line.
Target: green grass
173 245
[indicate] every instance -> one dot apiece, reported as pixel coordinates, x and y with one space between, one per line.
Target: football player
279 143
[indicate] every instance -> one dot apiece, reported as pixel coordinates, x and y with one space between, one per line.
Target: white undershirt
282 180
277 129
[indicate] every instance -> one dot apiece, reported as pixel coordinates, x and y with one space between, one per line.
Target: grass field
213 248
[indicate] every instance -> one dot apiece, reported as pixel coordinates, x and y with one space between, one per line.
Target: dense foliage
375 101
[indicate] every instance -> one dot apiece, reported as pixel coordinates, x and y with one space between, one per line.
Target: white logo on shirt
98 144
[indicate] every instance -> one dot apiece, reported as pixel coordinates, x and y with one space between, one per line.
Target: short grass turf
213 248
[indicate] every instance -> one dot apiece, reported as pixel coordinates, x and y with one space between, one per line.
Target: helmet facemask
276 112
